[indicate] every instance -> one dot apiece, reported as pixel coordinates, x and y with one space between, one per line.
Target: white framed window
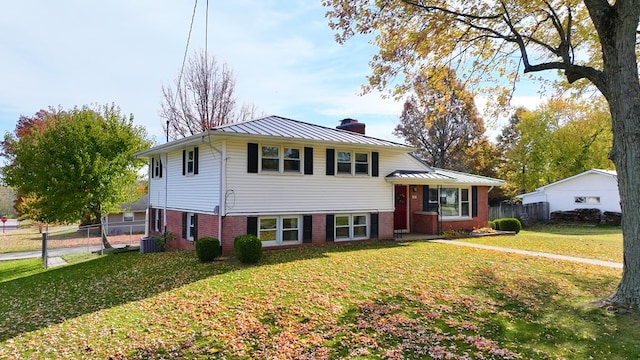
352 163
282 159
591 200
291 159
191 161
128 216
351 226
270 158
191 226
157 168
433 199
279 230
344 162
455 202
157 225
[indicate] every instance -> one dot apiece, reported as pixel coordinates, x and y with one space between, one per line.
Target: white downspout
223 185
166 192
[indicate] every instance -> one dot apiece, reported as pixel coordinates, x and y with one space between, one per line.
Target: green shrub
248 248
491 225
207 248
496 223
510 224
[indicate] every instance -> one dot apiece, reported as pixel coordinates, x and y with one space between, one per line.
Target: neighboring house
131 219
291 182
592 189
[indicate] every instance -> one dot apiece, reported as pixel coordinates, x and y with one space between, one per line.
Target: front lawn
595 242
369 300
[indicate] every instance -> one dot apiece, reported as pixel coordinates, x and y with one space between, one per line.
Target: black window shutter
474 201
307 228
331 161
252 225
375 168
308 161
160 161
252 158
195 160
153 167
152 219
161 217
195 227
184 225
184 162
425 198
330 227
374 225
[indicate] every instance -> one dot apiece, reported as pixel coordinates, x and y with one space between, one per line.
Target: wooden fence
530 212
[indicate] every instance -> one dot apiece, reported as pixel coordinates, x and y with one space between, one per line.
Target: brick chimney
351 125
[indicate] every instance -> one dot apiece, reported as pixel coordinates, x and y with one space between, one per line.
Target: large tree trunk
622 90
625 112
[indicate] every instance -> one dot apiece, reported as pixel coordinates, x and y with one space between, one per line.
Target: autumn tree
441 120
80 161
202 97
593 43
558 139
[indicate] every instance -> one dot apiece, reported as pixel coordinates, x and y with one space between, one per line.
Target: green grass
369 300
595 242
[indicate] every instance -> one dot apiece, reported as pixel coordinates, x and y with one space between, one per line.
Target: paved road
533 253
54 252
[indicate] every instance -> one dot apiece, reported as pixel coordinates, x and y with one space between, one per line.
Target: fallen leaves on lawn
371 300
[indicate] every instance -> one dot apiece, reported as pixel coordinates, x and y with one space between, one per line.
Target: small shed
592 189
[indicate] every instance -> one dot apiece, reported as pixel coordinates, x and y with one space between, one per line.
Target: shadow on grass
494 317
566 229
538 316
53 296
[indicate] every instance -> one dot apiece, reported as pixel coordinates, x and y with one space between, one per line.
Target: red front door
400 213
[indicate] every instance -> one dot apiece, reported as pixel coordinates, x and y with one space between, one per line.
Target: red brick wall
385 225
232 226
415 199
237 225
319 228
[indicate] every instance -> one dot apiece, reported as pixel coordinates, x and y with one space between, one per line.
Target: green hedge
508 224
248 248
207 249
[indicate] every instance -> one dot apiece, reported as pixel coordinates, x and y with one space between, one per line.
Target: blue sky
286 62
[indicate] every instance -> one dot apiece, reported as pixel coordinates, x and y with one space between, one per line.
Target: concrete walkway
532 253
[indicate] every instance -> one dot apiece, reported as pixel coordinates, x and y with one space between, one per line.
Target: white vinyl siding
275 194
199 193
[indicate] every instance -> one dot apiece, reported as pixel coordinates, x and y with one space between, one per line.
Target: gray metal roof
441 177
278 126
418 175
433 175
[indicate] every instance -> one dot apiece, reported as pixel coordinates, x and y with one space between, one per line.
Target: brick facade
237 225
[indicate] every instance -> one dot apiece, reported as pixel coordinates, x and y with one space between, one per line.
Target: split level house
291 182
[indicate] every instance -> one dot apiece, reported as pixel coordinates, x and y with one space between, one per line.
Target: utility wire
184 57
